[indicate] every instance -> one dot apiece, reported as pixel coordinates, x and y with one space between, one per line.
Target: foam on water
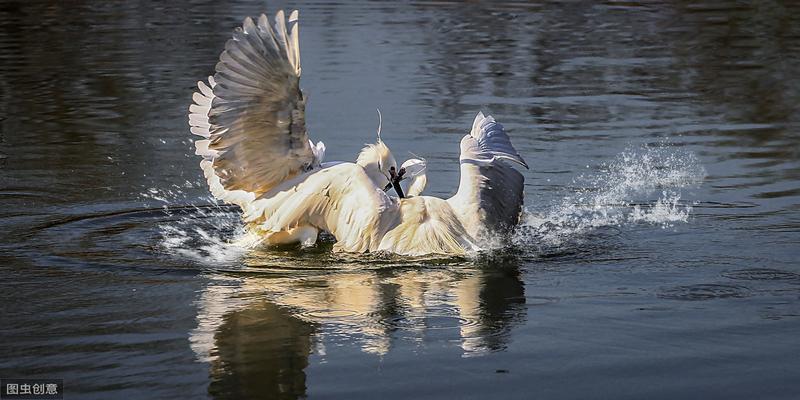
641 185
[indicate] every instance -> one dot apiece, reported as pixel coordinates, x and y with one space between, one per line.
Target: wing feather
488 141
251 113
490 194
340 199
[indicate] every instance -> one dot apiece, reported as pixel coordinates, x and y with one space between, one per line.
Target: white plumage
257 155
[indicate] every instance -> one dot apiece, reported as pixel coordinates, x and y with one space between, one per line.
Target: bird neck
415 185
374 173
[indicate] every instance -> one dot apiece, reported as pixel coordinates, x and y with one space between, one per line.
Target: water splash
210 235
620 193
193 238
639 186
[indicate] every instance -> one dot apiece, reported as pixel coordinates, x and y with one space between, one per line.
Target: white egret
257 155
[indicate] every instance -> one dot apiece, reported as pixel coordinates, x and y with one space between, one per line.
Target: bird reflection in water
258 332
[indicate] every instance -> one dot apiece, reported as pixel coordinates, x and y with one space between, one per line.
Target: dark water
659 254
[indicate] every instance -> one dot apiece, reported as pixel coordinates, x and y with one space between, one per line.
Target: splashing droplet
620 193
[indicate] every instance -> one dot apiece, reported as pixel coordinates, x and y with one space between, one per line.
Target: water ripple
701 292
762 274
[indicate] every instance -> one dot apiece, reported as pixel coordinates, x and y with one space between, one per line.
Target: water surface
658 256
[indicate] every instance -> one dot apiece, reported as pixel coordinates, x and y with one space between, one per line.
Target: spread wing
490 193
340 199
252 113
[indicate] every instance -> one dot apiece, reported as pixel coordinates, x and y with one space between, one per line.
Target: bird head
379 163
413 176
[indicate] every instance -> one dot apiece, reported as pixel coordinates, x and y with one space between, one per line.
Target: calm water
658 258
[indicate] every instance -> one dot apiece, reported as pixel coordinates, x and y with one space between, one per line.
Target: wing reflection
257 333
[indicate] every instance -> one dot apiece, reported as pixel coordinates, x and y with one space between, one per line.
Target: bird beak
394 181
397 188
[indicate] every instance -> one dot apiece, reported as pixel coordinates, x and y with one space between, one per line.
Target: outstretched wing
252 113
489 197
340 199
